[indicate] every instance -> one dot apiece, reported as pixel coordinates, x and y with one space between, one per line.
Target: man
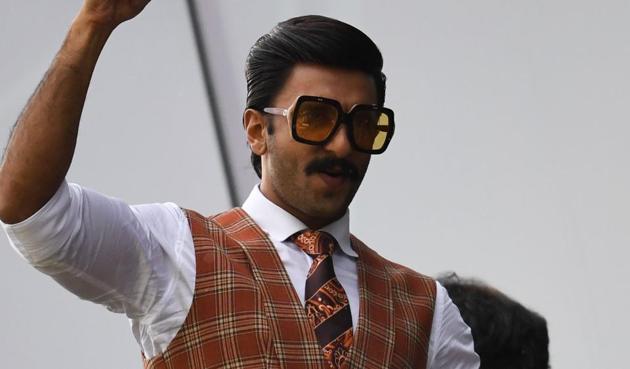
280 282
507 335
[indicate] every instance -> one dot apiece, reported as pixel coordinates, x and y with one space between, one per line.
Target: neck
313 222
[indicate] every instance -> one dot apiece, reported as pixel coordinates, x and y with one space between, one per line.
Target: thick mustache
331 163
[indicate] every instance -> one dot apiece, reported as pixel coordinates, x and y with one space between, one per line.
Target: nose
339 143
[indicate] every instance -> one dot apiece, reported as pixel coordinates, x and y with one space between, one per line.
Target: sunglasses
314 121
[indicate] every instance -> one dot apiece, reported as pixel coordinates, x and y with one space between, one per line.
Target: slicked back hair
310 39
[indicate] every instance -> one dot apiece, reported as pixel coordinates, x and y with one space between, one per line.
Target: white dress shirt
140 260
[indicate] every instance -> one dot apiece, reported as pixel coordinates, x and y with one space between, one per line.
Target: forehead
349 87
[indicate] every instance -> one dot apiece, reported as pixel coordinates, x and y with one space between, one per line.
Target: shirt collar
280 225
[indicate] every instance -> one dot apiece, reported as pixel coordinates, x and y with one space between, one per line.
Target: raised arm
42 144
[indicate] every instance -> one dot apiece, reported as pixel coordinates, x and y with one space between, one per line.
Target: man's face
315 183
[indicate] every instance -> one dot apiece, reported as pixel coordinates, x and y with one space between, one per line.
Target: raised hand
41 147
110 13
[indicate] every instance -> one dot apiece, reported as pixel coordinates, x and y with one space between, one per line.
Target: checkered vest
246 314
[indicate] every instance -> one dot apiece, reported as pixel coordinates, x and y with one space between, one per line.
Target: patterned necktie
327 305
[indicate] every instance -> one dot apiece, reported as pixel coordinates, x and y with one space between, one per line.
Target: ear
256 129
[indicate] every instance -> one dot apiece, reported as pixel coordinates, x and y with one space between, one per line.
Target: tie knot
315 243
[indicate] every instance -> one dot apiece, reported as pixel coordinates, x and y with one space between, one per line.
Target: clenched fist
110 13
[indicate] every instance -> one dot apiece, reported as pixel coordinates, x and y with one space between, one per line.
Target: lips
333 181
336 172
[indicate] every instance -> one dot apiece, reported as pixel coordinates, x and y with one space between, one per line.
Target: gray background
510 161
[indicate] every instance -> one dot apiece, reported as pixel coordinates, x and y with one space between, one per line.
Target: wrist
92 25
84 42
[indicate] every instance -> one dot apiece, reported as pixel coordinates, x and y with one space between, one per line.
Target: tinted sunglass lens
370 129
315 120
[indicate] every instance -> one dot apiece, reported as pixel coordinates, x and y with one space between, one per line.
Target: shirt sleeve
451 343
127 258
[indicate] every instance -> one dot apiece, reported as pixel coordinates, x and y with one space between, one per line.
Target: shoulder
232 221
401 276
222 218
161 214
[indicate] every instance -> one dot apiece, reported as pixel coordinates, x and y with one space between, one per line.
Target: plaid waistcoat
246 314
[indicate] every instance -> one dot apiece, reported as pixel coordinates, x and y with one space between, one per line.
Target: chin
329 211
